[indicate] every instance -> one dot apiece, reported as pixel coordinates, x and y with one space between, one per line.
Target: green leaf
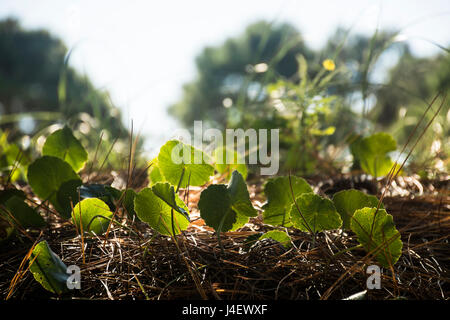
226 208
385 239
279 199
92 211
48 269
166 192
46 175
215 208
280 236
154 173
221 165
319 213
12 156
348 201
62 144
155 211
196 174
372 153
240 198
25 215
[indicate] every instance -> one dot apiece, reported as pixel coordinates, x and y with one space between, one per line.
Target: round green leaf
215 208
348 201
46 175
279 199
377 232
319 213
155 211
95 216
154 173
240 198
372 153
194 174
62 144
166 192
226 208
48 269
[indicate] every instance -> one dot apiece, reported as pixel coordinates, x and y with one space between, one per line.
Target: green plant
306 106
372 153
376 232
348 201
62 144
91 215
189 172
162 209
13 160
226 208
291 202
280 192
312 213
48 269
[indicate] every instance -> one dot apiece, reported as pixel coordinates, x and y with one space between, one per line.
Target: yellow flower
328 64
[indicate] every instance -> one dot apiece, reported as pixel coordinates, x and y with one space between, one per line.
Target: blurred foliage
233 71
356 84
38 89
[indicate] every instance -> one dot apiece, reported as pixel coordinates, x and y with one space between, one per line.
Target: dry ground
143 265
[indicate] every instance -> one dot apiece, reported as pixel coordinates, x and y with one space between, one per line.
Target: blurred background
321 71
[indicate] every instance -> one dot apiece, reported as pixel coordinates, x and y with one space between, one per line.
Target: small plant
312 213
162 209
376 232
372 153
279 192
226 208
291 201
48 269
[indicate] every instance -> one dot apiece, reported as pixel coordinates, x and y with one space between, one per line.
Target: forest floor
143 265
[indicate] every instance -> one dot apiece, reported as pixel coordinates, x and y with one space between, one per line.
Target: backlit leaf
155 211
95 216
62 144
316 214
48 269
46 175
176 159
348 201
372 153
279 199
377 232
226 208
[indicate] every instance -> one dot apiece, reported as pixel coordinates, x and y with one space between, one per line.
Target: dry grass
149 266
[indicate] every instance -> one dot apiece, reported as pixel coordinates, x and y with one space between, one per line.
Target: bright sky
143 51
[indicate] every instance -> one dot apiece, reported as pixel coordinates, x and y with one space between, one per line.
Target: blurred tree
236 73
35 77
